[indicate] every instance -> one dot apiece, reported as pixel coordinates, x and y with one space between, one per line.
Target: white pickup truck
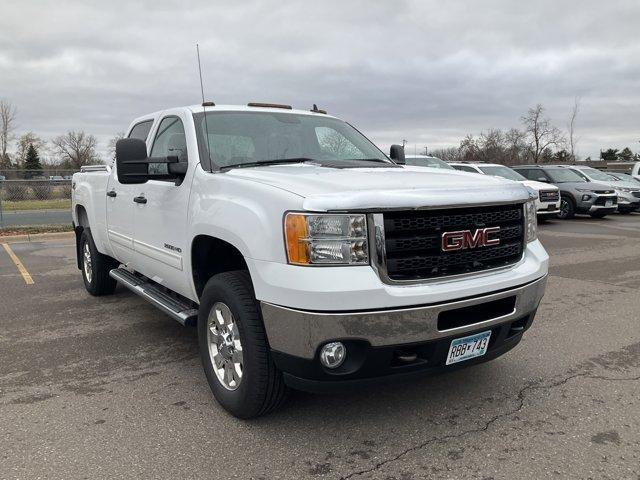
306 257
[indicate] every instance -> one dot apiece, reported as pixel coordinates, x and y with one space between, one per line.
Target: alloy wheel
86 262
225 348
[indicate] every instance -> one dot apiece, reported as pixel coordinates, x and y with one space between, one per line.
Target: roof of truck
232 108
247 108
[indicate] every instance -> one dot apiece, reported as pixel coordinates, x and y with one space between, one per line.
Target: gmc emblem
463 239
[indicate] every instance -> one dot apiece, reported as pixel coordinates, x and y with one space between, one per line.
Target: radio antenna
204 109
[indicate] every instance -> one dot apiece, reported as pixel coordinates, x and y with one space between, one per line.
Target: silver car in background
628 192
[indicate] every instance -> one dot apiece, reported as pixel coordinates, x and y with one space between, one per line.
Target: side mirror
131 161
397 154
133 164
543 179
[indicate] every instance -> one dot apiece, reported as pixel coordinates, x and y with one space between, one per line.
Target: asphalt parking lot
111 388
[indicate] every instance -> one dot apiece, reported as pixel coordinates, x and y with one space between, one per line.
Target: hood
326 188
623 184
583 186
537 186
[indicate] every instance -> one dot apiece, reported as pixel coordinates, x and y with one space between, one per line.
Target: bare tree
76 149
542 135
449 154
571 127
7 120
111 148
516 148
24 141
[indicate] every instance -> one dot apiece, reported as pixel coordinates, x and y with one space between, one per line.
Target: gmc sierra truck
305 256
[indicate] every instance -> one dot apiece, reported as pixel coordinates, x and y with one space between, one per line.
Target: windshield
625 177
238 138
432 162
562 175
597 174
504 172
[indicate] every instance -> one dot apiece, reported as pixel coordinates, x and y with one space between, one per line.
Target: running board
178 310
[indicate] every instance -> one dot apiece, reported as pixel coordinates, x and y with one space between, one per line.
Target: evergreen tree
626 155
32 163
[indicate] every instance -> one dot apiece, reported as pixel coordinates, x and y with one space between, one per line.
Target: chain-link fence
28 199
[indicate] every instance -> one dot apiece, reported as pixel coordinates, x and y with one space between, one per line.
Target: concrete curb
34 237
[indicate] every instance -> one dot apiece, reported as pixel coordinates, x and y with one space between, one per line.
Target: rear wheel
567 208
95 267
234 348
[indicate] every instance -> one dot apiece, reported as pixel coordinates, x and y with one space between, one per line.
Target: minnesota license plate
465 348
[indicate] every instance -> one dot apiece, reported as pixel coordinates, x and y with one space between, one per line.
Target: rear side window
141 130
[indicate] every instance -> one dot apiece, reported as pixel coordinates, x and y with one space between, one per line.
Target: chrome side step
178 310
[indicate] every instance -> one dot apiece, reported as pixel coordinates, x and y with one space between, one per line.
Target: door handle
140 199
112 193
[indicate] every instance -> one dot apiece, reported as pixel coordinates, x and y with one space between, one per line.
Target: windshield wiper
269 162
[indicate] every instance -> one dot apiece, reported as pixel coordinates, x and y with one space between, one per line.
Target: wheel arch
210 256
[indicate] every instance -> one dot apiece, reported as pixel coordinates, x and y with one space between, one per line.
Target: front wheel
567 208
234 348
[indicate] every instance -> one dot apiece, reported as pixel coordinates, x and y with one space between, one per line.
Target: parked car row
563 190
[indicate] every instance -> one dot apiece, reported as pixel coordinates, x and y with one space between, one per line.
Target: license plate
609 203
465 348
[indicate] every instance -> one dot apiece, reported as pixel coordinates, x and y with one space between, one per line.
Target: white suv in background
548 203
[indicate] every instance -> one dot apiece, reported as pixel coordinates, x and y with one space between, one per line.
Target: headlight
531 219
588 190
625 190
326 239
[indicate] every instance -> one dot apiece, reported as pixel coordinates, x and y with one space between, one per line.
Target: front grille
549 195
602 201
603 192
413 241
636 194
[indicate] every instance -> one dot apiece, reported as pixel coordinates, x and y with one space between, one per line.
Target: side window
335 146
170 141
525 172
141 130
465 168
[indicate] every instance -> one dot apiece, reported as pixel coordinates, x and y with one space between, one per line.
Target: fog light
585 197
333 354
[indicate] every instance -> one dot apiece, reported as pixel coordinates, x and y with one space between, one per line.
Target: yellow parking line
23 271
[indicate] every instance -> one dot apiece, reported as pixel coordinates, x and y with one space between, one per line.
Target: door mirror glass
397 154
131 161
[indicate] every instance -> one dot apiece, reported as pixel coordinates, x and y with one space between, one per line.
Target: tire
95 272
598 215
242 376
567 208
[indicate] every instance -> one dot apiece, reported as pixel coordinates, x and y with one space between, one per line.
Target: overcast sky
426 71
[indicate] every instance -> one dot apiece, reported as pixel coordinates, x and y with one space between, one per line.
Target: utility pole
404 142
426 151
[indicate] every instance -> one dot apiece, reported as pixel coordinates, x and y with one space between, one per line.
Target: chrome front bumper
301 333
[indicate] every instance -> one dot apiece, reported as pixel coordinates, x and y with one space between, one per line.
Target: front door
160 238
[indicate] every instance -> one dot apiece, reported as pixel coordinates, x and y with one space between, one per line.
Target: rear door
159 238
120 205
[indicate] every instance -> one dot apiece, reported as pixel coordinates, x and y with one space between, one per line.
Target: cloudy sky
426 71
